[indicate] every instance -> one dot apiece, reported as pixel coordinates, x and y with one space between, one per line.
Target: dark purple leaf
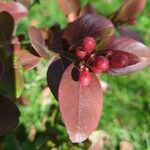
54 74
6 27
9 115
80 106
16 9
133 47
54 41
69 6
124 31
38 42
89 25
28 60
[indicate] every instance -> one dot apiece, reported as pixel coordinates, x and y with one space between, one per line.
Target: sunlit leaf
38 42
80 105
131 46
12 82
28 60
9 115
16 9
129 9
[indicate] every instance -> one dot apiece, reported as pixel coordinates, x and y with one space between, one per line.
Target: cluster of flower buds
92 62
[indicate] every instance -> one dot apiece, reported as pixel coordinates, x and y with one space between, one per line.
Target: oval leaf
9 115
38 42
131 46
16 9
80 106
28 60
89 25
6 27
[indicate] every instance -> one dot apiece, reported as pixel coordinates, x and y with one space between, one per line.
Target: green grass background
126 110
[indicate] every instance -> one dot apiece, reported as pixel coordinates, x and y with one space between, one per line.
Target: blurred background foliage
126 109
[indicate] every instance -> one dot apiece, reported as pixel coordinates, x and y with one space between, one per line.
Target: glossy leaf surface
16 9
80 105
9 115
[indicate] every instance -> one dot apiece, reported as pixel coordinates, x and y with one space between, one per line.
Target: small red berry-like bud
132 21
89 44
80 53
101 63
85 78
95 70
119 61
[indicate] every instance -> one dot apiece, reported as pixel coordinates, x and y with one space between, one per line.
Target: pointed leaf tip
80 106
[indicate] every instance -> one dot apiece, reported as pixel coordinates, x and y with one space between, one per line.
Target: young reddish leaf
12 82
129 9
80 105
95 26
16 9
125 31
6 27
28 60
38 42
133 47
9 115
54 74
69 6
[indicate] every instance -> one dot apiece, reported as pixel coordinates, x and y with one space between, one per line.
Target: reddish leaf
124 31
6 27
129 45
54 75
9 115
129 9
38 42
16 9
68 6
28 60
89 25
80 106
